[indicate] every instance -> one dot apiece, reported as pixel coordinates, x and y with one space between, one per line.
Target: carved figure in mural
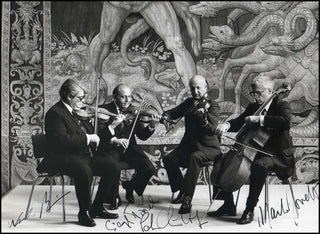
261 62
162 17
119 146
199 143
26 46
277 117
72 143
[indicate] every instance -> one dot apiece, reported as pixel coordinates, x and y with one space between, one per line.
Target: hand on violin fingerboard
117 120
154 120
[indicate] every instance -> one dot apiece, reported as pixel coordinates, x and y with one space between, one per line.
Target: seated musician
276 117
199 143
70 152
117 147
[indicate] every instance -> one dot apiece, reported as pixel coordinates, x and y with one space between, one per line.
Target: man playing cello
276 117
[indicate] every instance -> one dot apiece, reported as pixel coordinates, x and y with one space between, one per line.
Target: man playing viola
199 143
276 118
120 150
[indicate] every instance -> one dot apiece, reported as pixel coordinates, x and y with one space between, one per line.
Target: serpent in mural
263 62
162 17
301 71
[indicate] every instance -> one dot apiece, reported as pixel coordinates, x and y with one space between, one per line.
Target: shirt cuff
150 128
112 140
88 139
261 120
111 129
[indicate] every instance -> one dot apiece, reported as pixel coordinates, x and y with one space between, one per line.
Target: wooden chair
39 143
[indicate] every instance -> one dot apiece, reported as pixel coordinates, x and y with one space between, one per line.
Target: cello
232 170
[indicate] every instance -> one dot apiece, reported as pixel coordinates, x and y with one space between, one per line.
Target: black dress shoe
228 210
178 199
85 219
129 191
186 205
102 213
115 204
247 217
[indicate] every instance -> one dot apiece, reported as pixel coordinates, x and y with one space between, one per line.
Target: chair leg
63 207
266 198
213 200
93 184
237 198
30 197
172 197
293 198
50 194
207 174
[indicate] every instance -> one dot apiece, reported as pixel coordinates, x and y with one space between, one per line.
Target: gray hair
70 87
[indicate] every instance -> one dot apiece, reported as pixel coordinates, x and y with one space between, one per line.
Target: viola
144 116
233 169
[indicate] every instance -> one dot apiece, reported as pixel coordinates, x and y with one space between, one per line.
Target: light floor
158 215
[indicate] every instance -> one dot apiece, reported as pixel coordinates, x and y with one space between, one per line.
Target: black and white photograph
160 116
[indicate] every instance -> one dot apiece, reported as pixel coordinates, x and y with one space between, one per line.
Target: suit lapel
68 116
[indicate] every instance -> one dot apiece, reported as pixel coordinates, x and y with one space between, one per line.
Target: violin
89 112
232 170
202 102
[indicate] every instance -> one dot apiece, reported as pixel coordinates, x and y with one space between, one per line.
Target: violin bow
96 109
249 146
135 120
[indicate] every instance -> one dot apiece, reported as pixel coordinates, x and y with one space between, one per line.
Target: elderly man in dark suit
276 117
118 143
199 143
70 142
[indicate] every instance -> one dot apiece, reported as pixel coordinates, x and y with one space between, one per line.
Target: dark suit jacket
197 137
66 140
277 123
121 131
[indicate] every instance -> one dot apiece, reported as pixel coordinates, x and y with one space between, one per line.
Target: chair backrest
39 143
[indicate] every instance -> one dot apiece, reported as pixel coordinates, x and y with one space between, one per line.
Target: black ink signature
49 206
272 213
19 220
150 221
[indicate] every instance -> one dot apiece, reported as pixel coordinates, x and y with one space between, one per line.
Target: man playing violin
119 145
199 143
70 152
276 117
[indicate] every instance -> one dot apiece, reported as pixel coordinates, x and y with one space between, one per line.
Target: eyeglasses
79 98
257 93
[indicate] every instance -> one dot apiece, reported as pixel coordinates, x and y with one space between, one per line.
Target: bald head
198 86
122 96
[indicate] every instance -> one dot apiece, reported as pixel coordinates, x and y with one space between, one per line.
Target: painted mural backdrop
227 42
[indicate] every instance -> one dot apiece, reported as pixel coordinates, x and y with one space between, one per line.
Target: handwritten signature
272 213
150 221
22 217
